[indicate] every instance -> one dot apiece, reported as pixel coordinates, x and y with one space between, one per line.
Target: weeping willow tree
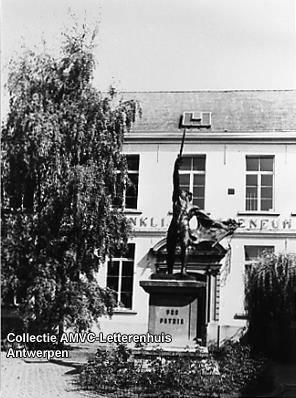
62 173
271 304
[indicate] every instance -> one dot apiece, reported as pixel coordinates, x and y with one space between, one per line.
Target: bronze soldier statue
179 229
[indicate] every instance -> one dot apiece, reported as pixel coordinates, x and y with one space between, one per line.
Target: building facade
239 162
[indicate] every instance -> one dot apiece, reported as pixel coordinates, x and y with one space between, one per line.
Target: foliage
240 369
270 299
62 172
115 372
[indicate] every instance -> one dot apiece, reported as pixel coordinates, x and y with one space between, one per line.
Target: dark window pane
198 201
113 268
126 299
266 163
127 284
199 163
116 296
131 202
112 282
251 193
198 191
266 204
199 179
131 194
184 180
130 251
267 180
251 180
133 182
186 163
131 191
133 162
251 203
252 163
253 252
266 193
127 268
249 253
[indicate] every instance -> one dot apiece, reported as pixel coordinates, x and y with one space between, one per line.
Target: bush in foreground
270 299
115 372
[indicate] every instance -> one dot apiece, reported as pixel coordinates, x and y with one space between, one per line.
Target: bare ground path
20 379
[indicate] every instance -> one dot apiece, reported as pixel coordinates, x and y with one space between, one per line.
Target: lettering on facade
275 224
149 222
247 223
143 221
266 224
152 224
133 221
287 224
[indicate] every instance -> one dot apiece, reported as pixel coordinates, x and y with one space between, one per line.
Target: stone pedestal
173 308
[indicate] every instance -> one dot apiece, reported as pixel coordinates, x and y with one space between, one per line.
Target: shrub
115 372
240 369
270 299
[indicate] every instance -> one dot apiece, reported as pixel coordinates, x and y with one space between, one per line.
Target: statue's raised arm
176 179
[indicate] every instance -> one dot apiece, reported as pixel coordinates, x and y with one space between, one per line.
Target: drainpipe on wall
218 336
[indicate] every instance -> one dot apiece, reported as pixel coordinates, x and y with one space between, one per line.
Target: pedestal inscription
173 309
178 321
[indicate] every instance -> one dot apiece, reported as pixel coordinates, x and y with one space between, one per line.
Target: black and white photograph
148 198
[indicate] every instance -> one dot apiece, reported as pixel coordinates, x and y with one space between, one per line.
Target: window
127 195
252 253
120 277
259 183
192 177
131 193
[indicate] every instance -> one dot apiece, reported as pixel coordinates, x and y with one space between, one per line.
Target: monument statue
177 303
179 231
